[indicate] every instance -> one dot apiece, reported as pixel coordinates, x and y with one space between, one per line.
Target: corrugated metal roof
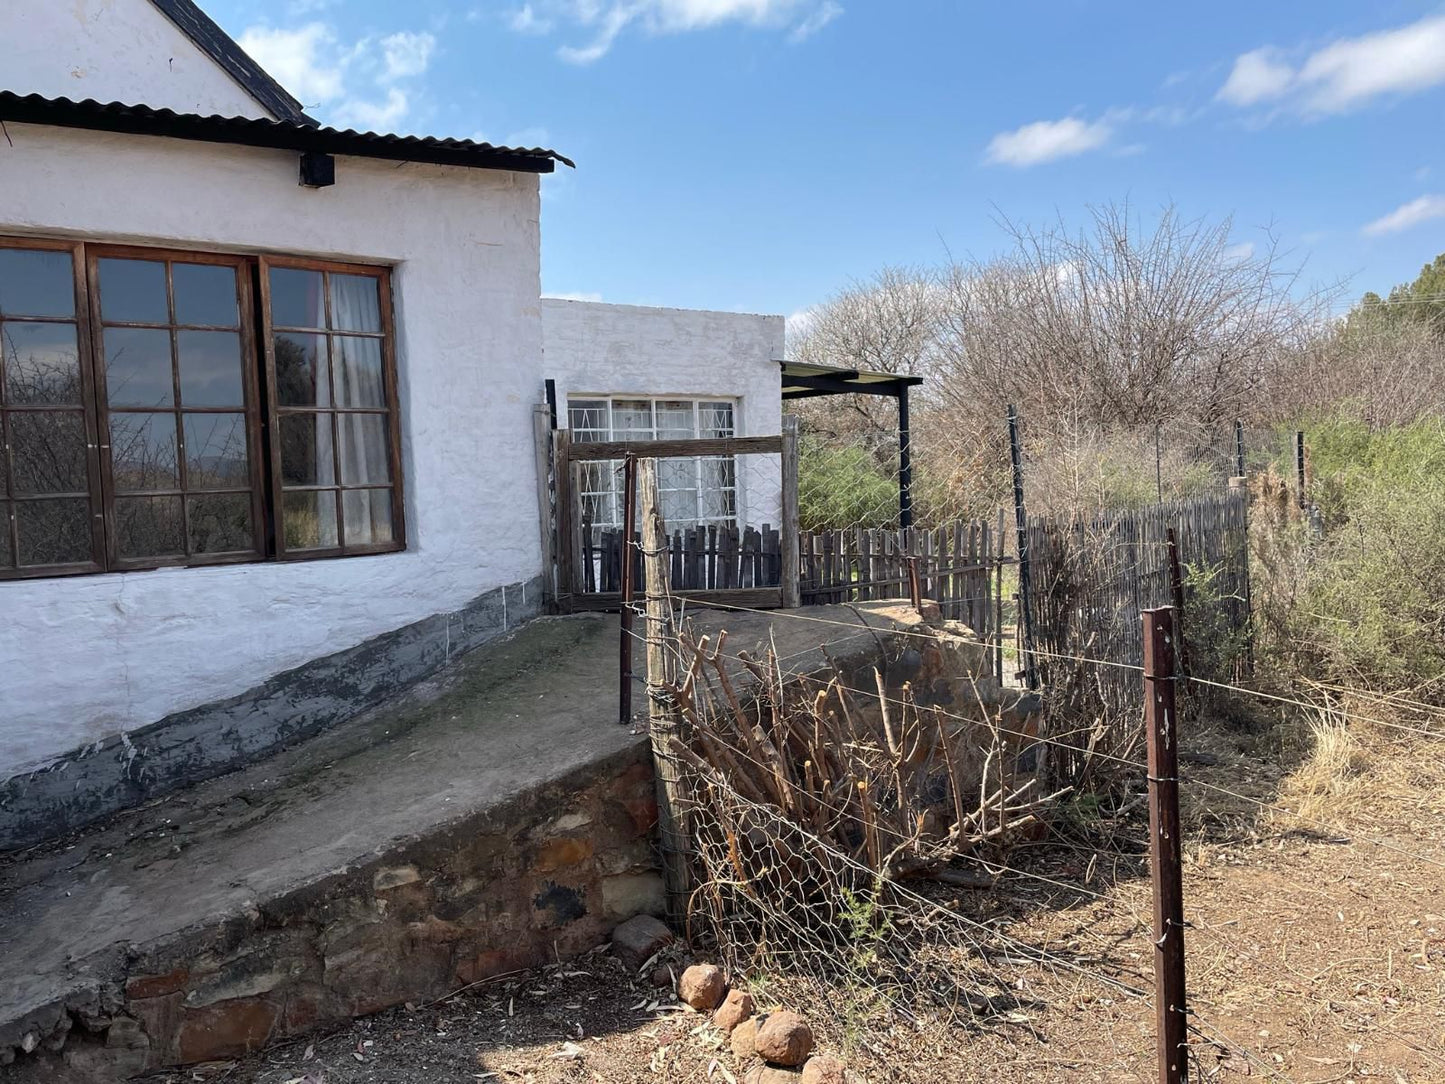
275 134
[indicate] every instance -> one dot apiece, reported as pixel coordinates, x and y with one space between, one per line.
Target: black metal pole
1166 865
1021 523
905 462
1239 449
551 389
624 644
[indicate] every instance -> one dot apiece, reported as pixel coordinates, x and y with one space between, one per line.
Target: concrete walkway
207 868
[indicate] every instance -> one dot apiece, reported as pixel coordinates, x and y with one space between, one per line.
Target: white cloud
1046 140
406 54
604 21
1407 215
303 60
362 85
796 326
1257 76
525 20
825 14
1345 74
1238 253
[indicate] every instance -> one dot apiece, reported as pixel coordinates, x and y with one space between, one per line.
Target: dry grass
1334 779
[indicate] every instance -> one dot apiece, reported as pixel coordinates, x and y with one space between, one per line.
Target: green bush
844 487
1372 606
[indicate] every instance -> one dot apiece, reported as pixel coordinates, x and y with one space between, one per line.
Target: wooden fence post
662 715
568 525
788 543
1164 846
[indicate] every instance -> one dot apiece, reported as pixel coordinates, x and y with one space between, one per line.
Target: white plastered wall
84 657
596 349
113 50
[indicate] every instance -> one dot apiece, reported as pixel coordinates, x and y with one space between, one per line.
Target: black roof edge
272 134
237 63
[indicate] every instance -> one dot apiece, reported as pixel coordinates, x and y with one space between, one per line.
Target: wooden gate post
662 715
1165 863
546 500
788 541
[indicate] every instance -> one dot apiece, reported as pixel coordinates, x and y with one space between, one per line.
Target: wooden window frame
261 411
81 320
251 408
274 411
696 403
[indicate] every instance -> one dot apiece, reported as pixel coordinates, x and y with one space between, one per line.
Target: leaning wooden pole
662 714
1165 855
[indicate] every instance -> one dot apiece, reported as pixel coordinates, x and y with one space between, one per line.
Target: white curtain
366 517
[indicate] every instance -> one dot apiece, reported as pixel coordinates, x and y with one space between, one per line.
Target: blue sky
759 155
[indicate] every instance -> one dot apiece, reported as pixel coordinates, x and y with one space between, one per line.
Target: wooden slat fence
707 558
957 567
1092 577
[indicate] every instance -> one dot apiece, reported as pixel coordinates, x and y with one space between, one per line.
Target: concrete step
491 819
480 823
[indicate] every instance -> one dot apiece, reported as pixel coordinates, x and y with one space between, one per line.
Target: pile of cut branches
899 787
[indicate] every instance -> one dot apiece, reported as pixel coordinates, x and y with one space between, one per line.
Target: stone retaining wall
546 875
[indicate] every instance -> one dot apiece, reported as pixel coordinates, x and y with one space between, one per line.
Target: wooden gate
753 565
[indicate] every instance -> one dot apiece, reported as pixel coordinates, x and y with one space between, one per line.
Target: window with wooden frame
694 490
163 407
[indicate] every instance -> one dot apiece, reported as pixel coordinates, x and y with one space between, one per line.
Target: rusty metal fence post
1166 866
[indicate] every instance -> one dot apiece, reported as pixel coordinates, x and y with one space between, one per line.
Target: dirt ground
1316 955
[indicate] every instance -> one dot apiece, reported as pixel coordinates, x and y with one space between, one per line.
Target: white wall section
84 657
113 50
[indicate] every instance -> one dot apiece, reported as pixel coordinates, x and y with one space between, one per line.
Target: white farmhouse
266 400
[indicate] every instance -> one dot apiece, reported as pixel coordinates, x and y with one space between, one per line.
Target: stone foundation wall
546 875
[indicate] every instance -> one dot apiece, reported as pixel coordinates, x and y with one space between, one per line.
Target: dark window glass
47 452
149 527
35 282
306 456
210 364
138 367
220 523
133 292
301 373
309 519
53 532
143 452
296 298
216 452
41 363
205 294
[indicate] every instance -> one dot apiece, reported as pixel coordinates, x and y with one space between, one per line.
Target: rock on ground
784 1038
638 939
823 1069
737 1008
745 1037
702 986
771 1074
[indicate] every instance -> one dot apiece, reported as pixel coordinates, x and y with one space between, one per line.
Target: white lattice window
695 490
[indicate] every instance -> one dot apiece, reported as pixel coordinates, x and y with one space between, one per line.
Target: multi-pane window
154 412
694 489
